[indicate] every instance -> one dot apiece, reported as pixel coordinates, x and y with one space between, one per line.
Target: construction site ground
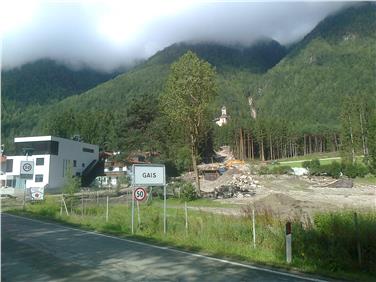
290 195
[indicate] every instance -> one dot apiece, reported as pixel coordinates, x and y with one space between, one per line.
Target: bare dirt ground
290 195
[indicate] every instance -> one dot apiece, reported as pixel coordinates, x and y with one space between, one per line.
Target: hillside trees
185 102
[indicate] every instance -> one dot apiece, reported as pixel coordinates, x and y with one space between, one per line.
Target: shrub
313 166
334 169
264 170
354 170
188 192
282 169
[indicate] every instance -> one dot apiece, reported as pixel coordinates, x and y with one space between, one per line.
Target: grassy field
324 159
312 156
326 246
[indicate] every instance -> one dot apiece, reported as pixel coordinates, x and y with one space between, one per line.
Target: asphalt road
34 250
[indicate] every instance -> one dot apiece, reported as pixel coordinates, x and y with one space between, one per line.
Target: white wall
38 169
55 166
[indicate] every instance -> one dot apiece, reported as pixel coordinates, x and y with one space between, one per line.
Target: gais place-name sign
149 174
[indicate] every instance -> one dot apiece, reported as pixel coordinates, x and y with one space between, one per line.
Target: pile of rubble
237 186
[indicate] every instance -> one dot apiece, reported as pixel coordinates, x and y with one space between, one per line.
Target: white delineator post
288 243
164 211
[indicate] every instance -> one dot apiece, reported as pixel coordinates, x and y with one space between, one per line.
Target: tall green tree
189 90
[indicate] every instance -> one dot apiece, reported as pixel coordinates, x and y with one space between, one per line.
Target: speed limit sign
140 194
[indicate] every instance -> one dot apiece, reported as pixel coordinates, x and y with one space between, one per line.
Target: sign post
148 175
26 172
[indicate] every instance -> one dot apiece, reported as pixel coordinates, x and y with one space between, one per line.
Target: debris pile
233 186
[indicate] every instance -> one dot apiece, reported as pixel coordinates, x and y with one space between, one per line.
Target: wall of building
77 154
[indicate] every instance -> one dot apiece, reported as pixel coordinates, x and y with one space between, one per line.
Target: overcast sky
109 34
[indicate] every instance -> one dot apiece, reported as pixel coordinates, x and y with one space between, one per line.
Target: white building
223 118
53 158
114 174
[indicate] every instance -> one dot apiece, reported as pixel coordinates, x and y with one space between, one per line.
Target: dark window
78 174
37 148
88 150
39 178
74 163
9 166
40 161
83 164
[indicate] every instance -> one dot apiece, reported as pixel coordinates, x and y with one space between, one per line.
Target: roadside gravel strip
34 250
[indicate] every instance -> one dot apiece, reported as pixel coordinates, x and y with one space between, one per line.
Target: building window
39 161
9 166
39 178
74 163
78 174
38 147
83 164
88 150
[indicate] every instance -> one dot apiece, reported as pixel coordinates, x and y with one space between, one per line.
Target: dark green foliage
355 170
334 169
313 166
334 60
257 58
188 192
331 243
372 142
281 169
45 81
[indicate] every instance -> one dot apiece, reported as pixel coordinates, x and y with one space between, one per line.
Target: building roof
46 138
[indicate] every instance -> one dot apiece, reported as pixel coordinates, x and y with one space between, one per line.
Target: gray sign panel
149 175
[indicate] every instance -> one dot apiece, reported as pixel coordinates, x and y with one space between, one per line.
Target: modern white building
53 158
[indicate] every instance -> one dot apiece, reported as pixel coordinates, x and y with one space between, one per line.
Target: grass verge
326 246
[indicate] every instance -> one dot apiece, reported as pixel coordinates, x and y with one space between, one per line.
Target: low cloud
84 34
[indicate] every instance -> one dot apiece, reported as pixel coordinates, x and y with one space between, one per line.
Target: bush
188 192
313 166
334 169
354 170
264 170
282 169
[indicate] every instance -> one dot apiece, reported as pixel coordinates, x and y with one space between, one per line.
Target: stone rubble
239 186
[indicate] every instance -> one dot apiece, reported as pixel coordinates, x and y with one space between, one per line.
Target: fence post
357 238
288 243
61 205
186 218
65 205
254 228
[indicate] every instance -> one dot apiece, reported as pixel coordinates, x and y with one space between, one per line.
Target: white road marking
176 251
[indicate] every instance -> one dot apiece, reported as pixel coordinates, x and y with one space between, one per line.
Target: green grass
312 156
203 202
315 246
368 180
324 159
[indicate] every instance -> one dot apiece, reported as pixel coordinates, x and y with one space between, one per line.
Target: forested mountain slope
335 60
46 81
